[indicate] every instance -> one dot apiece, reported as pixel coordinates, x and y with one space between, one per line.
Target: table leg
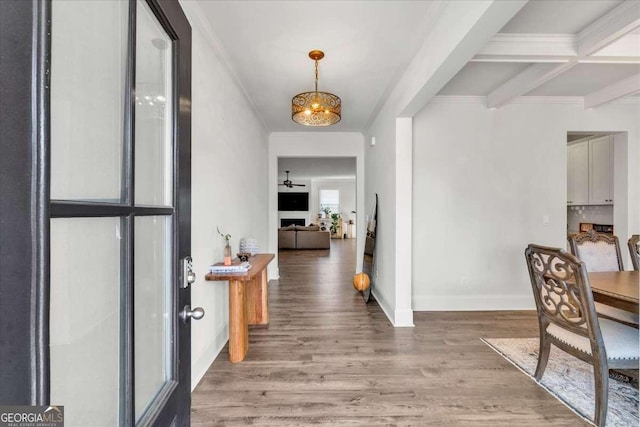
238 329
257 300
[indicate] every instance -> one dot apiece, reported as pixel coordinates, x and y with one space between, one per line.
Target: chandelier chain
316 76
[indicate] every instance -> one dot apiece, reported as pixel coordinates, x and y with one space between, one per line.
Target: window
330 199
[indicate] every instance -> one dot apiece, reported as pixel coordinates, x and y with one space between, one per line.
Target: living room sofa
303 237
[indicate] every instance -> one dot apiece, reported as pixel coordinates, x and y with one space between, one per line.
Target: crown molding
629 100
461 99
618 90
567 100
197 16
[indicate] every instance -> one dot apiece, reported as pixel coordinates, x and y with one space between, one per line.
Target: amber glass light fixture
316 108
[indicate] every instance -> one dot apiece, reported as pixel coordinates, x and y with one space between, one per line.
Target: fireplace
288 221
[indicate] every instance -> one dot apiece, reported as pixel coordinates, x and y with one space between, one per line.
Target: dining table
616 288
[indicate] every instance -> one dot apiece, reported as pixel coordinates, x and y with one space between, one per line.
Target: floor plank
329 359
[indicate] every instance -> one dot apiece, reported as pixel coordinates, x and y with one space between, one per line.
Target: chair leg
601 376
543 355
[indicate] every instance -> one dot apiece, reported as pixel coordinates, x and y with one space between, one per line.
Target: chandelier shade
316 108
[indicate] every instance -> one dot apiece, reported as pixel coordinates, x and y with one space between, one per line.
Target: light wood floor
329 359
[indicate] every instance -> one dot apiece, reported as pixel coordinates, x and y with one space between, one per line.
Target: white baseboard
404 318
473 302
273 272
199 368
398 318
384 305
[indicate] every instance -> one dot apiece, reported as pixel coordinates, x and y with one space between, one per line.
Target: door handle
187 314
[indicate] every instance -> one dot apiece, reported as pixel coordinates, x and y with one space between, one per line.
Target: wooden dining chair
634 251
601 252
567 319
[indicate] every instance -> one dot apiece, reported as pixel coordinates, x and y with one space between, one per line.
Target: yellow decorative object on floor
361 282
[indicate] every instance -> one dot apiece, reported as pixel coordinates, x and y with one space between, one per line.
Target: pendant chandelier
316 108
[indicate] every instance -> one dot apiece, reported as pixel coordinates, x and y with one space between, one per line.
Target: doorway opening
597 182
325 187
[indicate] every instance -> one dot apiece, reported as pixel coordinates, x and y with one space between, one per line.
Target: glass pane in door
88 78
84 320
152 308
153 113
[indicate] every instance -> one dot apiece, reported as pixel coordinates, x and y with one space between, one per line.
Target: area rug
570 380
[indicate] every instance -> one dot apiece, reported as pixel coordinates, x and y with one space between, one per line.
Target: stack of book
243 267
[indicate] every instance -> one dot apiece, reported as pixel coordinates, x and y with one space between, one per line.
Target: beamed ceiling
588 49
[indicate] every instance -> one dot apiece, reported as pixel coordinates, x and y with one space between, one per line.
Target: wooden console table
248 303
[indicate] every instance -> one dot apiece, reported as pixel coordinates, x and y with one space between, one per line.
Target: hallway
328 359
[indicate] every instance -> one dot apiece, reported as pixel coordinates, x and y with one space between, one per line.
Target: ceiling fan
287 183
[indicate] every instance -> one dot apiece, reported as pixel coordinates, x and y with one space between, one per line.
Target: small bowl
244 256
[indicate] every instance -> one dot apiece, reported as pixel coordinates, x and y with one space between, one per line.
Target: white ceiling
317 168
480 78
585 78
557 17
368 45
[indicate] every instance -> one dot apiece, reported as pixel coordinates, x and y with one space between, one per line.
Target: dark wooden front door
102 171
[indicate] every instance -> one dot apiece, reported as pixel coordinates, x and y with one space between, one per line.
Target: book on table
242 267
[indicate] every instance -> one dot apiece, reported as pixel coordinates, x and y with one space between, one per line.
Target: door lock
188 275
187 314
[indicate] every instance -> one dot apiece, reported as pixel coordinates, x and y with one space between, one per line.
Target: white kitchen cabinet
590 172
578 174
601 171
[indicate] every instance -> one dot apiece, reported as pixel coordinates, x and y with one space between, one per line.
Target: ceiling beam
529 59
610 60
533 48
505 47
609 28
626 46
626 87
460 31
604 31
529 79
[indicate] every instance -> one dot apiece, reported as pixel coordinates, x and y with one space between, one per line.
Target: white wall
229 183
483 179
457 31
380 178
313 144
388 174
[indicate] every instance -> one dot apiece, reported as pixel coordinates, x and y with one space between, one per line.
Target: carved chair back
562 293
634 251
599 251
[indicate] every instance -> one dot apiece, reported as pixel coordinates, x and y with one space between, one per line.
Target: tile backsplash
593 214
